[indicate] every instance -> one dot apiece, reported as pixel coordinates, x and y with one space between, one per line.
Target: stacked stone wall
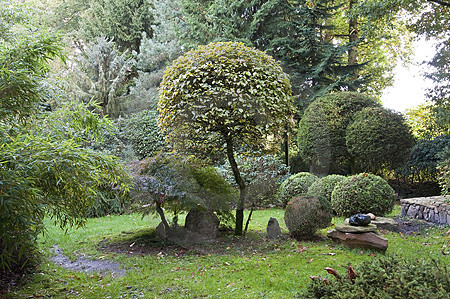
434 209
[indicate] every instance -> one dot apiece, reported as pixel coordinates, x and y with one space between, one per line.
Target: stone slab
361 240
347 228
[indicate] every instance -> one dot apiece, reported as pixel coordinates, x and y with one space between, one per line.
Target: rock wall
434 209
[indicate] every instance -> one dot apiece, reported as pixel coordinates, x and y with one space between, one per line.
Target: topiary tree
305 214
378 139
221 96
295 185
324 186
362 193
322 130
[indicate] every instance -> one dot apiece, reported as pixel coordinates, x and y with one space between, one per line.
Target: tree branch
443 3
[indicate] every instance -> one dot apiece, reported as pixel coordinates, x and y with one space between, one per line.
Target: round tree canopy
221 92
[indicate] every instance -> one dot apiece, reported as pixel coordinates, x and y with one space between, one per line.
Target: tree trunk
160 211
241 184
286 147
353 36
248 220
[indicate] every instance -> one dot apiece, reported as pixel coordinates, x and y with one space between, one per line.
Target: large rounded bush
305 214
295 185
362 193
322 130
325 186
379 138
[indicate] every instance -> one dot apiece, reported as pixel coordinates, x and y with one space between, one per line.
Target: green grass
244 267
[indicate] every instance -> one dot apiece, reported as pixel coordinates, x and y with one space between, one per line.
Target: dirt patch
86 265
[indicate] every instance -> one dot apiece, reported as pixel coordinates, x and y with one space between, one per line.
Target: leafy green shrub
178 184
108 201
305 214
295 185
362 193
391 277
325 186
421 164
262 175
142 132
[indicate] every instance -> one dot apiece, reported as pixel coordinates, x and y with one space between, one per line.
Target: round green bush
305 214
295 185
362 193
325 186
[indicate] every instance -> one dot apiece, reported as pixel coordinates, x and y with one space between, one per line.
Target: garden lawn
240 267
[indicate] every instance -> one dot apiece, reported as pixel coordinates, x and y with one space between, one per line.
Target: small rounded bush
295 185
325 186
306 214
362 193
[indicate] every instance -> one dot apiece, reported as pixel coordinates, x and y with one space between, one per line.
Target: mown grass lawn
245 267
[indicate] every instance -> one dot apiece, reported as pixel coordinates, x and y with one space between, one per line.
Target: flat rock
359 240
347 228
386 224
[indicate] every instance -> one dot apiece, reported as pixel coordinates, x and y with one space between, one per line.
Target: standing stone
273 229
203 223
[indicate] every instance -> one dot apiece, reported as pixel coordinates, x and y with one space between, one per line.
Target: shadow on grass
147 242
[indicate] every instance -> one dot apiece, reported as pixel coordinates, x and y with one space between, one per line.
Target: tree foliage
222 96
120 20
425 122
378 139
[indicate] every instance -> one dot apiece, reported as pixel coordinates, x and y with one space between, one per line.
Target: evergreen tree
101 74
156 52
120 20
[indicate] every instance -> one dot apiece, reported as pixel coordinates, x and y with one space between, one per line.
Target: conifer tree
101 74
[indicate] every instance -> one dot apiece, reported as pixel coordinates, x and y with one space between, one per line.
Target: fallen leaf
310 261
329 253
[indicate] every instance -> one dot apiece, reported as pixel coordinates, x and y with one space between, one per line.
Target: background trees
221 98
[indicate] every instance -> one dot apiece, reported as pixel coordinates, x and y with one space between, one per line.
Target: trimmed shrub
390 277
306 214
325 186
295 185
362 193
